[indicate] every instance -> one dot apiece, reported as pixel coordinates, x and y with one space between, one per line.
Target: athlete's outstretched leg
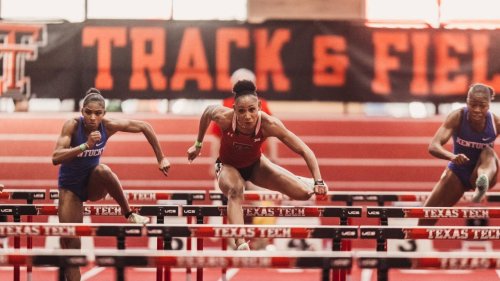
271 176
103 181
485 174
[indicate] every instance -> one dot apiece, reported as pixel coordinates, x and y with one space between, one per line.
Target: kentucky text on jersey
91 152
471 144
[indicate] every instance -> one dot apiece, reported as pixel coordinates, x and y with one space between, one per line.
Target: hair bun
244 86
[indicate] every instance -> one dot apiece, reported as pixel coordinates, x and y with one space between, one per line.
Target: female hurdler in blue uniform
473 162
81 176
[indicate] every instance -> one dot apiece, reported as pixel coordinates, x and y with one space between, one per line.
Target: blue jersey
470 143
74 174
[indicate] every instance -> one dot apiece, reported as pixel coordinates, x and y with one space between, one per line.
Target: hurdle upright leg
159 246
60 274
199 247
17 245
382 272
29 245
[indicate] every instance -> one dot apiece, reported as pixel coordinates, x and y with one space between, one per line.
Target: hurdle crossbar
70 229
89 209
429 260
153 195
430 232
352 196
433 212
253 231
14 194
70 258
281 211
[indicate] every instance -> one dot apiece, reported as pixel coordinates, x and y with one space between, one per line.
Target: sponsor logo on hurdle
465 263
374 213
133 231
368 262
341 263
354 212
76 260
368 233
348 233
253 232
198 196
39 195
188 211
6 211
105 261
154 231
170 211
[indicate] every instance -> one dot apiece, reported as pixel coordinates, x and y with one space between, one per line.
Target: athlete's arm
211 113
443 135
63 151
497 123
273 127
136 126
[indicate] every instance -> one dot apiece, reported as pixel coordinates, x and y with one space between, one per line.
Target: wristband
198 144
319 182
83 146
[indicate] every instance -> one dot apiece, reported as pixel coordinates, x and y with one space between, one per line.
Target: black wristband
319 182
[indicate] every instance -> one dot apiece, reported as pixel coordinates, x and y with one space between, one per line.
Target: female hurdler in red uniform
244 128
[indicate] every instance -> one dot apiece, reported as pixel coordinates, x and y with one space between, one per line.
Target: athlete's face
246 109
478 104
93 112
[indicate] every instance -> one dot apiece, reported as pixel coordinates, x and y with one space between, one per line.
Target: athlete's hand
193 152
320 189
94 137
460 159
164 166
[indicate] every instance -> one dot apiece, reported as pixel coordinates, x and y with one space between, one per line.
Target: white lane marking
92 272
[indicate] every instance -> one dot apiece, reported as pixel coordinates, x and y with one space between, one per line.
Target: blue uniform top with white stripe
74 174
470 143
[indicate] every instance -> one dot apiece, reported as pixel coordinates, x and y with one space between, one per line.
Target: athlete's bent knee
235 192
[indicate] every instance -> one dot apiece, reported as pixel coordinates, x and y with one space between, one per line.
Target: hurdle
325 260
70 258
189 196
382 233
201 211
428 260
30 196
89 209
351 197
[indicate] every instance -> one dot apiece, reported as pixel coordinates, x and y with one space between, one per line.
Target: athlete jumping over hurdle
81 176
473 162
244 128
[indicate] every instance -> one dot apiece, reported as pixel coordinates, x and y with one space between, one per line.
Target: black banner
292 60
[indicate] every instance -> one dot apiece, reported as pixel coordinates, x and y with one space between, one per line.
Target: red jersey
240 150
